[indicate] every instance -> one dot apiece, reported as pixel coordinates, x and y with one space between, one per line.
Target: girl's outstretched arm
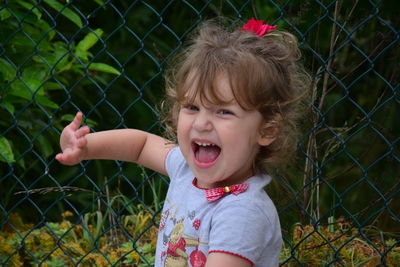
130 145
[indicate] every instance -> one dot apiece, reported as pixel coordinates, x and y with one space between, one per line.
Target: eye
225 112
191 107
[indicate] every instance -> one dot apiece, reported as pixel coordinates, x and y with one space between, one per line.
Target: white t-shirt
191 227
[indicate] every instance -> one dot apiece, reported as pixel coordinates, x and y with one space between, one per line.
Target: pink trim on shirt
194 183
165 159
231 253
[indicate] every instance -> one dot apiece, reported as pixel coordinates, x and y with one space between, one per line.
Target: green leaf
6 154
30 7
89 40
22 40
70 117
81 49
61 59
99 2
44 101
65 11
26 17
67 117
7 69
45 146
19 89
91 123
55 262
102 67
83 55
4 14
8 106
46 28
52 86
34 77
55 55
21 163
44 46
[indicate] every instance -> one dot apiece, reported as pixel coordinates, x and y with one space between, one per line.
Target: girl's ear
268 133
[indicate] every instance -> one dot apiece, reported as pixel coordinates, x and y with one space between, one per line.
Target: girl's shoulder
247 225
254 203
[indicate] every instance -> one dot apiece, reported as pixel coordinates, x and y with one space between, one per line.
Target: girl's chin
204 185
206 181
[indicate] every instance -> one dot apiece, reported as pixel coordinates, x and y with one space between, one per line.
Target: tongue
207 154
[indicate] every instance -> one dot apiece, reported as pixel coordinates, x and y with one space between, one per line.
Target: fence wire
339 203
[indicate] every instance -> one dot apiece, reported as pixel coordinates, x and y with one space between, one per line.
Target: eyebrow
187 101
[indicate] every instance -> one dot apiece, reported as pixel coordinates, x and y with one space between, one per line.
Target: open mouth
205 152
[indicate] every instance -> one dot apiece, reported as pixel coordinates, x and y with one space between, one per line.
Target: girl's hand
73 142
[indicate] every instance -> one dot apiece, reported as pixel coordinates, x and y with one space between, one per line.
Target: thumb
59 157
65 159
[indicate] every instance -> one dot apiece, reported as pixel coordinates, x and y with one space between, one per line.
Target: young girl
233 102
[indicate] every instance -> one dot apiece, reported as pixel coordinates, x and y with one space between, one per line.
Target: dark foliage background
106 59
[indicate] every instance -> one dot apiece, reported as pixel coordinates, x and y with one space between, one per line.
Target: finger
60 158
76 123
82 142
82 131
65 159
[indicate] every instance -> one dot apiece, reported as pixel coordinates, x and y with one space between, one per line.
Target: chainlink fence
339 202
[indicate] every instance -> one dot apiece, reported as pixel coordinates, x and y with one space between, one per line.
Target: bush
341 244
85 243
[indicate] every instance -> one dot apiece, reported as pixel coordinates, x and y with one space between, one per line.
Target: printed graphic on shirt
179 248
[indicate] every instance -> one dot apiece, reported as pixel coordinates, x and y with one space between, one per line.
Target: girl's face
219 142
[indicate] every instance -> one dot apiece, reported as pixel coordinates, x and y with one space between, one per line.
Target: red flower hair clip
258 28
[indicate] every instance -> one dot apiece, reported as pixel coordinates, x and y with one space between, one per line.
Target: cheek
180 125
246 141
179 134
182 132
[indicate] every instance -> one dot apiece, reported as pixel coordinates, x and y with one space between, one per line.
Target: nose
203 122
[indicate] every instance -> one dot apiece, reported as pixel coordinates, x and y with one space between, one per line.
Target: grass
84 243
132 242
339 244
